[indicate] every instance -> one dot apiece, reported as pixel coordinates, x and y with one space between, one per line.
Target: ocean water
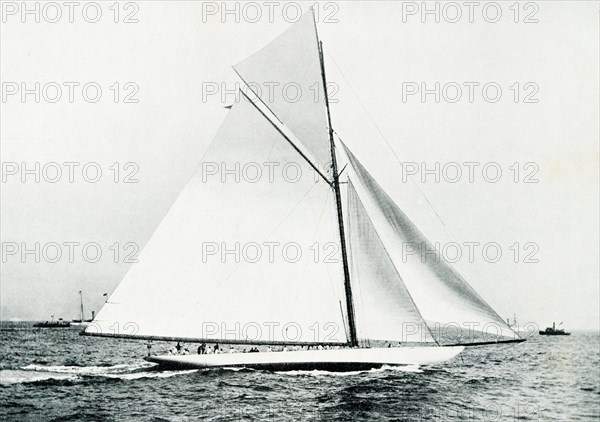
55 374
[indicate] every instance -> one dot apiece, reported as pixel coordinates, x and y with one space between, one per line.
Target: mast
338 202
81 300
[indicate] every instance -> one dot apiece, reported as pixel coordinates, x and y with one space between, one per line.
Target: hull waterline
330 360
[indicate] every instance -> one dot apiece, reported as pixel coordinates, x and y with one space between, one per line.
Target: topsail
286 76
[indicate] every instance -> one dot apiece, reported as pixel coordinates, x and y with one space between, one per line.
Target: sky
542 133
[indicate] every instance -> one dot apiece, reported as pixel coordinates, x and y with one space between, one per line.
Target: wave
34 373
16 376
153 374
90 370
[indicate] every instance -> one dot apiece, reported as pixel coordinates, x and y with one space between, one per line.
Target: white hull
332 359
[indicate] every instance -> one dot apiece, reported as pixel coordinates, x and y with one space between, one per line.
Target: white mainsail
446 302
200 277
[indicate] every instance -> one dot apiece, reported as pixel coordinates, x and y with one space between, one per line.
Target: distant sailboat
82 322
340 314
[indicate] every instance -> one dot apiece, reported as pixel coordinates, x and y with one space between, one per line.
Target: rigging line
392 262
315 168
344 321
385 140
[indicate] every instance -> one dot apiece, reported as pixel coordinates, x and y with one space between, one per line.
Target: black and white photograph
300 210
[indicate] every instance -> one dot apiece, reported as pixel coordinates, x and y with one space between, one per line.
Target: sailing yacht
304 253
81 322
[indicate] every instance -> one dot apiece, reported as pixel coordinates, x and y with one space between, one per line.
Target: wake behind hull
328 360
